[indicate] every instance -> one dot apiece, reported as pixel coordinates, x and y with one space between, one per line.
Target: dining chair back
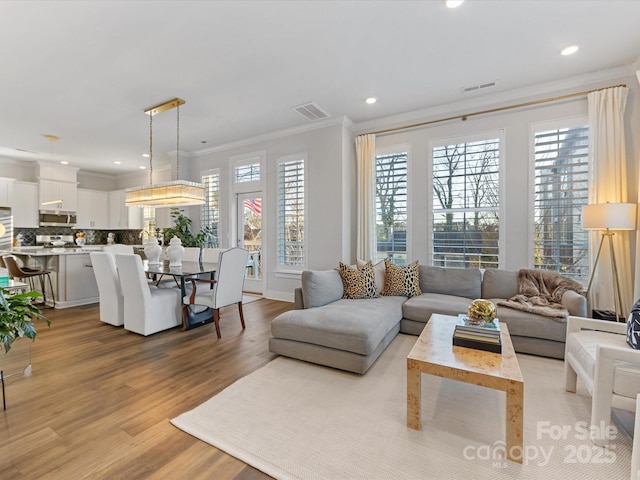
147 309
191 254
227 287
118 248
111 298
211 255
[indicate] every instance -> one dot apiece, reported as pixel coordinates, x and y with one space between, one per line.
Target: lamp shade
3 230
613 216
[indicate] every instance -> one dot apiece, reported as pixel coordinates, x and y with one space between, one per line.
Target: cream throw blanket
540 292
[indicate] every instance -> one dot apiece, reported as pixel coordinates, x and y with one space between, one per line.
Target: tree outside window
466 201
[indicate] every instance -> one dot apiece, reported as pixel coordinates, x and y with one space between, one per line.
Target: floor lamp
608 217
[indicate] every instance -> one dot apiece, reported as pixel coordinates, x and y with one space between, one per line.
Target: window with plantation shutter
210 210
249 172
561 166
391 207
466 202
291 203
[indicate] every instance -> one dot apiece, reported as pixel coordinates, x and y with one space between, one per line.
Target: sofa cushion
320 287
461 282
402 281
358 282
498 283
356 326
524 324
583 345
421 307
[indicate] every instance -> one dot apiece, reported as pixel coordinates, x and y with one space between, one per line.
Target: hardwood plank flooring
100 398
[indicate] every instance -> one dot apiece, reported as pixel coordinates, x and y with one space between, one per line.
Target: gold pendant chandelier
176 193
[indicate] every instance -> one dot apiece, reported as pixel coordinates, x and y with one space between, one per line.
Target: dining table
195 316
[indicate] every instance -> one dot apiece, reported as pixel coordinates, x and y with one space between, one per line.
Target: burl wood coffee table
434 354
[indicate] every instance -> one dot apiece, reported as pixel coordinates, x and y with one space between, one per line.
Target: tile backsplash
94 237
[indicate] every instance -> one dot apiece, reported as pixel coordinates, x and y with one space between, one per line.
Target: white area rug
294 420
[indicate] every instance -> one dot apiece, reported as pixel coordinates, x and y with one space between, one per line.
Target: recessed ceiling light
142 167
370 100
117 162
64 162
145 155
570 50
453 3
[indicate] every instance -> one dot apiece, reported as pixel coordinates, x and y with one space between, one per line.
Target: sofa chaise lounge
350 334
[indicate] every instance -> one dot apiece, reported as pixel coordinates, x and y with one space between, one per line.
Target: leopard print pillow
401 281
360 283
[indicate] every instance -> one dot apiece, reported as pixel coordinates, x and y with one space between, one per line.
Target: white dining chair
147 309
191 254
111 299
227 287
118 248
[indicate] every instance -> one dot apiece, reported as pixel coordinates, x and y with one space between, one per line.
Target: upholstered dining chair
596 351
118 248
147 309
18 272
191 254
227 287
111 299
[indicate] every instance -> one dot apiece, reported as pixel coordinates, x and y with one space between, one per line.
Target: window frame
500 134
281 267
394 150
534 127
207 173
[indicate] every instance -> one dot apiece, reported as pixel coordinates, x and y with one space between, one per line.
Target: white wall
329 174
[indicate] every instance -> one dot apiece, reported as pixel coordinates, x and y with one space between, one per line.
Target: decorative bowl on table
58 243
482 311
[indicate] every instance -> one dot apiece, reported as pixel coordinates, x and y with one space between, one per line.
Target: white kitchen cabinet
25 205
6 191
63 193
93 209
121 216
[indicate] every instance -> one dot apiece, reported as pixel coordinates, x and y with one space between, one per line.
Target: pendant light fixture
177 193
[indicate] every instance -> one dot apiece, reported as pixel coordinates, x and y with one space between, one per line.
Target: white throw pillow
378 272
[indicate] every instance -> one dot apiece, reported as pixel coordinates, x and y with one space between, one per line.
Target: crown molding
592 80
318 125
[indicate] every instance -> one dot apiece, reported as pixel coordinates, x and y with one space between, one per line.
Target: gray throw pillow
320 287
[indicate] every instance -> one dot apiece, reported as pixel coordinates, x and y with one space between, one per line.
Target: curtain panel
366 178
608 183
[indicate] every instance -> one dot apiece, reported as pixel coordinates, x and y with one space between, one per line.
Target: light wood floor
99 401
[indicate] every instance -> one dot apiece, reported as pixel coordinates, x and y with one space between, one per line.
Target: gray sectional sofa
350 334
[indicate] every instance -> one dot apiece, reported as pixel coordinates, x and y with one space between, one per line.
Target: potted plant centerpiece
182 230
17 313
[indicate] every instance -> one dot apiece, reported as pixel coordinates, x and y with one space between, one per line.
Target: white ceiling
86 70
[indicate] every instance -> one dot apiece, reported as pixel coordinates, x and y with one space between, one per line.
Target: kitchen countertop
47 252
50 251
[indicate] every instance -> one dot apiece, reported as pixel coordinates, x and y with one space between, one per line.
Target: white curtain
366 173
608 183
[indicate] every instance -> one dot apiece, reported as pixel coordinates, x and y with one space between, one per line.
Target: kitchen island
72 276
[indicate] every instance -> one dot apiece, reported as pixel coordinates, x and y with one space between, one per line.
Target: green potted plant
182 230
17 313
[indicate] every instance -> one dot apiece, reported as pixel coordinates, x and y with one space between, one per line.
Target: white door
250 237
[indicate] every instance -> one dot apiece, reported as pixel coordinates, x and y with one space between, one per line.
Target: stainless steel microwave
57 219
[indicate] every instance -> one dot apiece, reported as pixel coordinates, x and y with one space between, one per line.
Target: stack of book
484 336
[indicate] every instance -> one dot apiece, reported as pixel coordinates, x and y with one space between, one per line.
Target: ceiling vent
475 88
311 111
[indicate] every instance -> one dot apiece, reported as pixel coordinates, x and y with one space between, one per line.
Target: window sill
288 274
